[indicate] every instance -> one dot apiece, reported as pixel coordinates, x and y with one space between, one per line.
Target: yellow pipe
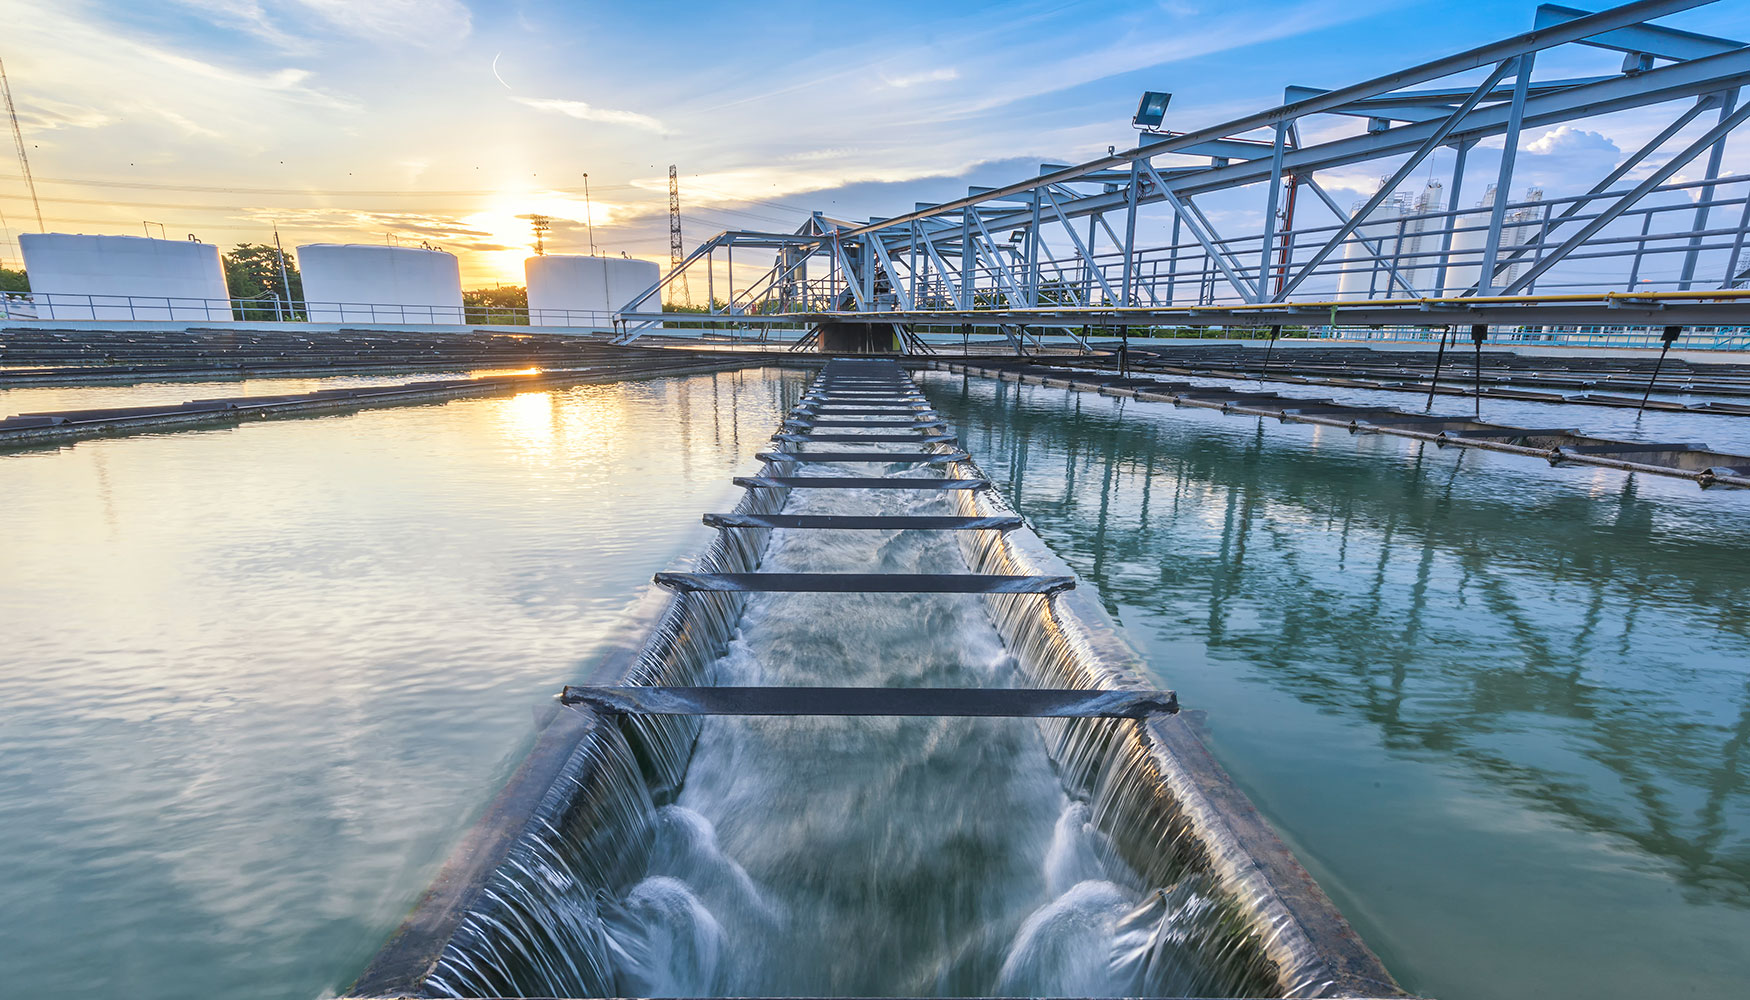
1715 295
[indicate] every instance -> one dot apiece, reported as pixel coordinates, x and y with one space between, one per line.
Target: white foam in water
665 942
1072 856
1065 949
904 855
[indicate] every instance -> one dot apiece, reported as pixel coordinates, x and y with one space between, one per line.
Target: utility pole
675 250
540 224
23 160
285 280
588 213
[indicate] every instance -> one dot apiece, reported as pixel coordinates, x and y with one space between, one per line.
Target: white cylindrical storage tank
124 278
1466 259
1362 273
366 283
578 290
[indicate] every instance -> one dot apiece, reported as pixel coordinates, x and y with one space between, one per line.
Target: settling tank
579 290
365 283
124 277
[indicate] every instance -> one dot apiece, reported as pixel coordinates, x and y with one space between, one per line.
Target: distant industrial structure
368 283
120 278
563 286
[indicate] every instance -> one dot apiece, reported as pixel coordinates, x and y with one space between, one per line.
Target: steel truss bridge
1131 239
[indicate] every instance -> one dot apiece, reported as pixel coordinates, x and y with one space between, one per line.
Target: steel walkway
873 389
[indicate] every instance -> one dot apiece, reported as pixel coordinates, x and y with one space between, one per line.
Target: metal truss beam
1041 276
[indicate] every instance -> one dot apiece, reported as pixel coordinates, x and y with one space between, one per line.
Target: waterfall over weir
823 854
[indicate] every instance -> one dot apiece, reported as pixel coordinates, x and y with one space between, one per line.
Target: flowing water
820 856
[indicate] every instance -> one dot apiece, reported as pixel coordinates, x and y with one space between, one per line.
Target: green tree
13 281
502 305
252 271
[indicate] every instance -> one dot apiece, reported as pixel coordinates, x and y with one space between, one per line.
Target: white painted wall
366 283
76 277
574 283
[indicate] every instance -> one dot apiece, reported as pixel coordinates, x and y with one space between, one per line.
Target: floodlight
1152 110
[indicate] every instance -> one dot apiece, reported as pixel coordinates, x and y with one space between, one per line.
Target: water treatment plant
1282 546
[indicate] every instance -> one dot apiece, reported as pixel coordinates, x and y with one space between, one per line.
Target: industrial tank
365 283
124 278
1467 250
578 290
1362 276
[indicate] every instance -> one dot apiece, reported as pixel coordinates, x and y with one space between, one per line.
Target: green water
1500 711
257 680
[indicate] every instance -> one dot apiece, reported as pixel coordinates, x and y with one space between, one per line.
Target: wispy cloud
591 113
426 23
430 24
451 232
942 75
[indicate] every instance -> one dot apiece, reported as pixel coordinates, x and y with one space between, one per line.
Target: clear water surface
1499 710
257 680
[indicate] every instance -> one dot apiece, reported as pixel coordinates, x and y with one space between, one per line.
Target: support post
1504 180
1031 285
1667 338
1705 202
1439 356
1478 334
1272 198
1130 232
968 270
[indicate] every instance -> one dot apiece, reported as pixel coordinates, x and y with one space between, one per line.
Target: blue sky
442 120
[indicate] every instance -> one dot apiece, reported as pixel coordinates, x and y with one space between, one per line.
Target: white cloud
425 23
248 16
1566 140
591 113
45 114
942 75
432 24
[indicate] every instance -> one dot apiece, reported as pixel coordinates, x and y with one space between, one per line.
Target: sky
443 121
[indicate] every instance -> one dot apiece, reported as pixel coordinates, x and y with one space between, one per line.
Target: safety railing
166 308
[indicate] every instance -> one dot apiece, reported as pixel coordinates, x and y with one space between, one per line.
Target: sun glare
505 223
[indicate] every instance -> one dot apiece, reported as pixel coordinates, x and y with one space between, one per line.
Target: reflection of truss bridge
1129 239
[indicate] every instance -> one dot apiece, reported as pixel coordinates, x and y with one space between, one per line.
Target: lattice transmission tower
676 251
18 138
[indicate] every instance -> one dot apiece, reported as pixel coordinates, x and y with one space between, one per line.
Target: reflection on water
1501 710
257 679
50 399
